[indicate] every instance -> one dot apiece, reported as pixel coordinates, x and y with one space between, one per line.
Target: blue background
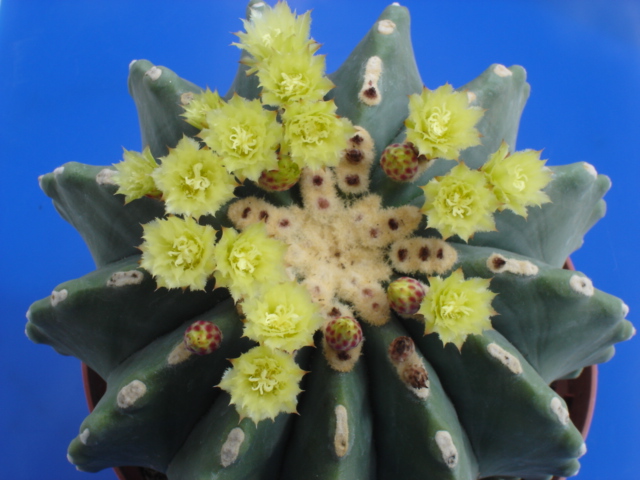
63 97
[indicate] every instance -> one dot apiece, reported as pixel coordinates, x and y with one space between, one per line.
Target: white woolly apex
131 63
582 285
558 407
395 4
625 309
131 393
231 447
591 169
583 450
447 447
499 264
153 73
58 296
502 71
58 171
386 27
370 93
341 437
506 358
105 177
84 436
120 279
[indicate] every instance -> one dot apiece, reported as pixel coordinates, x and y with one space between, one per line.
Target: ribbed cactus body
425 410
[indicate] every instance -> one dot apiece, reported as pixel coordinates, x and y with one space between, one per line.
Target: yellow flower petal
263 383
249 260
441 123
283 317
517 179
455 308
193 180
134 175
178 253
459 203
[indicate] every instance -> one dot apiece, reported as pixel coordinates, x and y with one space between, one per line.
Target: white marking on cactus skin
58 171
58 296
472 97
256 11
573 474
231 447
105 177
582 285
131 393
583 450
591 169
500 264
179 354
507 359
153 73
84 436
560 410
70 459
395 4
448 449
386 27
625 309
120 279
341 438
369 93
131 63
40 177
186 98
502 71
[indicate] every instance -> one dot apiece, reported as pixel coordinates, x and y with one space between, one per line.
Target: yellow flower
193 180
517 178
455 308
262 383
441 123
195 112
249 260
278 31
283 317
459 203
296 76
178 253
134 175
314 135
245 135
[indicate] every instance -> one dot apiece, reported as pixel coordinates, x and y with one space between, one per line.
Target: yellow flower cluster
440 125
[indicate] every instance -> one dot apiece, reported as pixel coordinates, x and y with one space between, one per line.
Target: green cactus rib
109 314
332 438
126 426
84 196
486 392
491 398
406 426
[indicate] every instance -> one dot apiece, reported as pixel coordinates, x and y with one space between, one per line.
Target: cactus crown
394 227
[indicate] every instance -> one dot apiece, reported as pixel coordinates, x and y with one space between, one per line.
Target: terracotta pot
579 394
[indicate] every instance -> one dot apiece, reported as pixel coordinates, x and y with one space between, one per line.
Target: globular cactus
275 194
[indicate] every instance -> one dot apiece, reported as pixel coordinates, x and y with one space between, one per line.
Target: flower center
267 38
281 321
263 378
453 307
291 84
185 252
242 141
243 258
197 181
457 202
438 124
520 180
311 130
